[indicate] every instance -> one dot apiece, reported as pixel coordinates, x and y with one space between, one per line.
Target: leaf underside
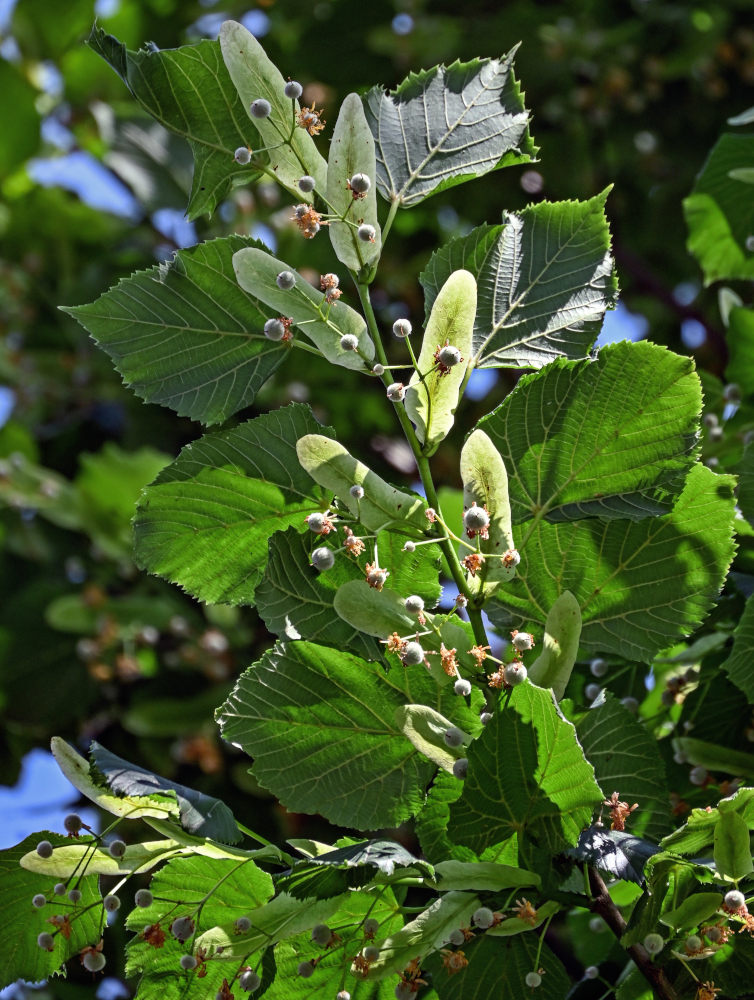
447 125
189 91
185 335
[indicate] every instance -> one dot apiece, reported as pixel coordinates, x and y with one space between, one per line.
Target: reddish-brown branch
604 907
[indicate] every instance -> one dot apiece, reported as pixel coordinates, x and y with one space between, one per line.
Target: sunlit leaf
320 726
205 521
640 584
352 152
189 91
433 392
254 75
447 125
257 271
185 335
612 437
527 777
720 212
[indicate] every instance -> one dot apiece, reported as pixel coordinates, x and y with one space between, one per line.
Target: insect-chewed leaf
188 90
256 272
431 400
255 76
426 728
352 152
485 483
382 506
185 335
205 522
560 645
447 125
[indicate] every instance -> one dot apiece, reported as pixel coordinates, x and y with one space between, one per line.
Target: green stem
394 206
422 464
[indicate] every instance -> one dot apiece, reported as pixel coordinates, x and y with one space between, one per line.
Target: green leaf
447 125
738 664
374 612
283 917
321 728
382 506
560 645
715 757
185 335
668 879
352 152
720 212
68 858
499 969
205 521
381 613
297 602
483 875
427 932
694 910
431 400
732 846
732 966
226 890
202 815
255 76
527 777
466 253
626 760
328 977
188 90
485 483
544 285
432 822
160 805
516 925
613 437
740 339
256 272
640 585
20 129
698 831
20 957
425 728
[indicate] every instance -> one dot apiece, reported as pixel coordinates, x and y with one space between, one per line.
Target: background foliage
90 647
